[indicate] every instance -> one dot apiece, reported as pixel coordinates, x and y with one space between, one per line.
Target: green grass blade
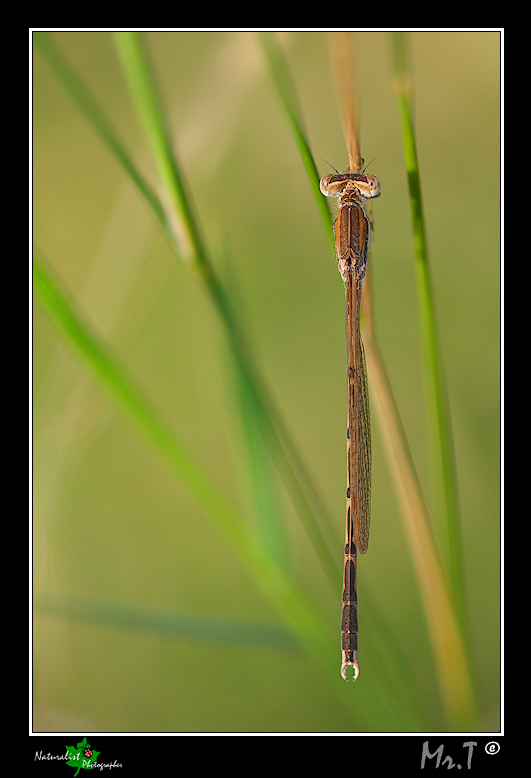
270 520
444 605
184 232
269 577
281 79
289 463
143 88
95 116
116 378
210 629
439 404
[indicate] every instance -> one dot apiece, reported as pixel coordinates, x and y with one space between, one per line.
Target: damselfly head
333 185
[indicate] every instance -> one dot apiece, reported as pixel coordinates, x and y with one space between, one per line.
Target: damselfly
352 230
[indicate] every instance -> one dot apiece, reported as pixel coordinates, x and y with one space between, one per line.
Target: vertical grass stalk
445 605
438 400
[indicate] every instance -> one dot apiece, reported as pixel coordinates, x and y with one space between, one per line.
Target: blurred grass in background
126 568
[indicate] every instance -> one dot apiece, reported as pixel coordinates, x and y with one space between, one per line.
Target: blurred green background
114 532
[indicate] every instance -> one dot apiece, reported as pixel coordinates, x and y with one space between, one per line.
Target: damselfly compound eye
324 184
373 189
333 185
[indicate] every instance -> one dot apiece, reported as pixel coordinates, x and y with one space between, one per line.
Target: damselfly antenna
367 165
333 168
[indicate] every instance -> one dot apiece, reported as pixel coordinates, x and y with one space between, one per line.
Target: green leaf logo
82 757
